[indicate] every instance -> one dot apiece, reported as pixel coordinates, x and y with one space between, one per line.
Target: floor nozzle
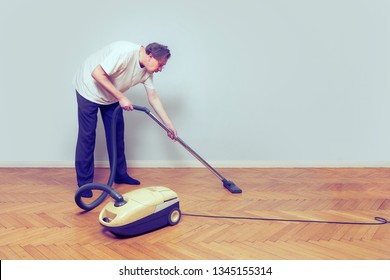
231 186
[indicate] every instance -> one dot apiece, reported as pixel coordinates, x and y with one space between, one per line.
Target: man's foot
87 193
126 179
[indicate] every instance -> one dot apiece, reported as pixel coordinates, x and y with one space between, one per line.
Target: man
100 84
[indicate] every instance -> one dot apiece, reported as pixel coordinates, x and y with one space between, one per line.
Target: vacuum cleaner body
143 210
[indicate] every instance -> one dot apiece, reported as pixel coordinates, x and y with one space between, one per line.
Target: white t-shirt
120 60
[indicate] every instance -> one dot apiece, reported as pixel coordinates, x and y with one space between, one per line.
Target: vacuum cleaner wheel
174 216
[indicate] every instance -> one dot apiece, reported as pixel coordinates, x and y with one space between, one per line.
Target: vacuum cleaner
150 208
141 210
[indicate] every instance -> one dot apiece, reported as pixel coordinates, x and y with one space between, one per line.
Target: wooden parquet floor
39 219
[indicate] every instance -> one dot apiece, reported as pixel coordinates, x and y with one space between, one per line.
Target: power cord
379 220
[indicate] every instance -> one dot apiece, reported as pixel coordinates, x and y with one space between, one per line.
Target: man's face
155 65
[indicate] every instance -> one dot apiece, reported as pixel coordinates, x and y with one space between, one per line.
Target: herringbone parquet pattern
39 219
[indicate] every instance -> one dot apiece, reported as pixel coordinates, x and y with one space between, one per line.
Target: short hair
158 51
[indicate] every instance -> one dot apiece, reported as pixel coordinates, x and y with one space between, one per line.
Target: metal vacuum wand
231 186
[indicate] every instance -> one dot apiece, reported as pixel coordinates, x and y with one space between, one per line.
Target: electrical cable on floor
379 220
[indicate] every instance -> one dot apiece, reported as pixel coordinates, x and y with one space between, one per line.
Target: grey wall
250 82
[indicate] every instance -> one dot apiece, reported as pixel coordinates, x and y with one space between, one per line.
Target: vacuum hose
106 188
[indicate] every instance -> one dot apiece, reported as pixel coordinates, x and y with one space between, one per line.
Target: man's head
157 57
159 52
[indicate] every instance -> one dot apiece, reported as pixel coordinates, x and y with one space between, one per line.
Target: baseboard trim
196 164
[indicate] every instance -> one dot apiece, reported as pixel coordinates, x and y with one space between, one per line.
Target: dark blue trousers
87 119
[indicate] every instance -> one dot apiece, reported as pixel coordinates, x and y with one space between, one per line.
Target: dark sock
126 179
87 193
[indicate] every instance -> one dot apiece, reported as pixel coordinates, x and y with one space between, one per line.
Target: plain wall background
250 82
